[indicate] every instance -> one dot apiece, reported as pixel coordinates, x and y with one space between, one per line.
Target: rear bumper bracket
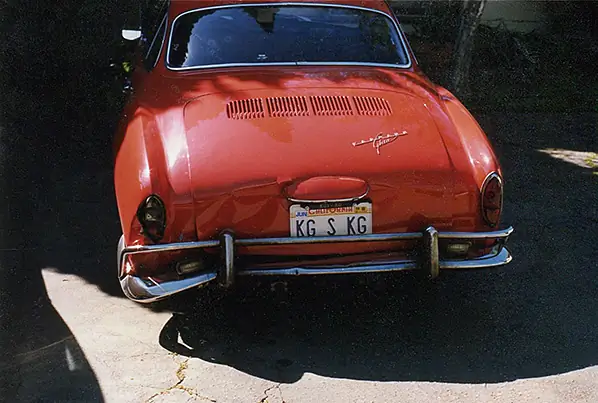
430 253
227 275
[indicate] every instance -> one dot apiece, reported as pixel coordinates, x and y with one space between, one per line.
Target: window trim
162 28
304 4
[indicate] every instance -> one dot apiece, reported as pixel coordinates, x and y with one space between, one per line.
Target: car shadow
529 319
40 358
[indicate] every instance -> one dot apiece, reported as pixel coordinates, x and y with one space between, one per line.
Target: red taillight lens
492 199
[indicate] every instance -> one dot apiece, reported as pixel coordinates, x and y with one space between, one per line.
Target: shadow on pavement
56 205
531 318
41 360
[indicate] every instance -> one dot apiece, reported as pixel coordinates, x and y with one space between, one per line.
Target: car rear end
325 168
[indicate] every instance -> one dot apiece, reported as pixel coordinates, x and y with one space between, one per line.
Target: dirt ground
525 332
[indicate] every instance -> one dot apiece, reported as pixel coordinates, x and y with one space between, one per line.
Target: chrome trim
504 233
148 290
228 259
399 23
229 65
143 249
485 262
406 236
119 255
347 200
165 22
380 140
488 261
315 271
314 4
490 176
430 253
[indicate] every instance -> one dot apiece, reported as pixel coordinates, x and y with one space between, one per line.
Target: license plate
355 219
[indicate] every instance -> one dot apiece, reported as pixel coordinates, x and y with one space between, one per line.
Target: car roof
186 5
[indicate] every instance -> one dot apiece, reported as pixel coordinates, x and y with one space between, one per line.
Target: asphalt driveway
525 332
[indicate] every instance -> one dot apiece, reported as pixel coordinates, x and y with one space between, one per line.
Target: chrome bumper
147 289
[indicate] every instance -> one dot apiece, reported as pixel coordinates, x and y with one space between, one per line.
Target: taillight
152 217
492 199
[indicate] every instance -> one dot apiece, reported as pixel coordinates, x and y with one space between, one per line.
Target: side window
153 32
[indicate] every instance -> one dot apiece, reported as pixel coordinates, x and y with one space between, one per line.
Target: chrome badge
380 140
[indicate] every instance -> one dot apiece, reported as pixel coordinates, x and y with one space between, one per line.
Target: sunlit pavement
120 341
526 332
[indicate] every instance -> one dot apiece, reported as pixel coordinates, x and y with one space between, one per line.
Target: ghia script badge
380 140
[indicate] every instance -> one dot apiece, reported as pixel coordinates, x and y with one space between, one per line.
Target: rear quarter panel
141 169
468 144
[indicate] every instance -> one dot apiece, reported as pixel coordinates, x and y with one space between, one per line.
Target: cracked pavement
526 332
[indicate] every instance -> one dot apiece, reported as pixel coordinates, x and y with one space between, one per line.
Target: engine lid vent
331 105
246 109
370 106
318 105
287 106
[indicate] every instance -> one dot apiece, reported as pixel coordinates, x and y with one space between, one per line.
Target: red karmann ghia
295 138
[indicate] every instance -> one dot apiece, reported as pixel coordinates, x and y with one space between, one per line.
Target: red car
295 138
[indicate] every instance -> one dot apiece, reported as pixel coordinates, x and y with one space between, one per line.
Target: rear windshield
284 34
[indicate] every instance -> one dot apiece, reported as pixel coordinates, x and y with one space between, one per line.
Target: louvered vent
246 109
331 105
277 107
287 106
372 106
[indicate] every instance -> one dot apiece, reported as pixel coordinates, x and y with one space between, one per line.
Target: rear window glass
284 34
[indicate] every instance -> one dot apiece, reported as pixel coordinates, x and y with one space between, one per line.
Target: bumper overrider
148 289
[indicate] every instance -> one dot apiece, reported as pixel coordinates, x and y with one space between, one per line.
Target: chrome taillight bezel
490 177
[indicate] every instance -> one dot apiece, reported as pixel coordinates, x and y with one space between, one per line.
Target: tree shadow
41 358
56 204
527 319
